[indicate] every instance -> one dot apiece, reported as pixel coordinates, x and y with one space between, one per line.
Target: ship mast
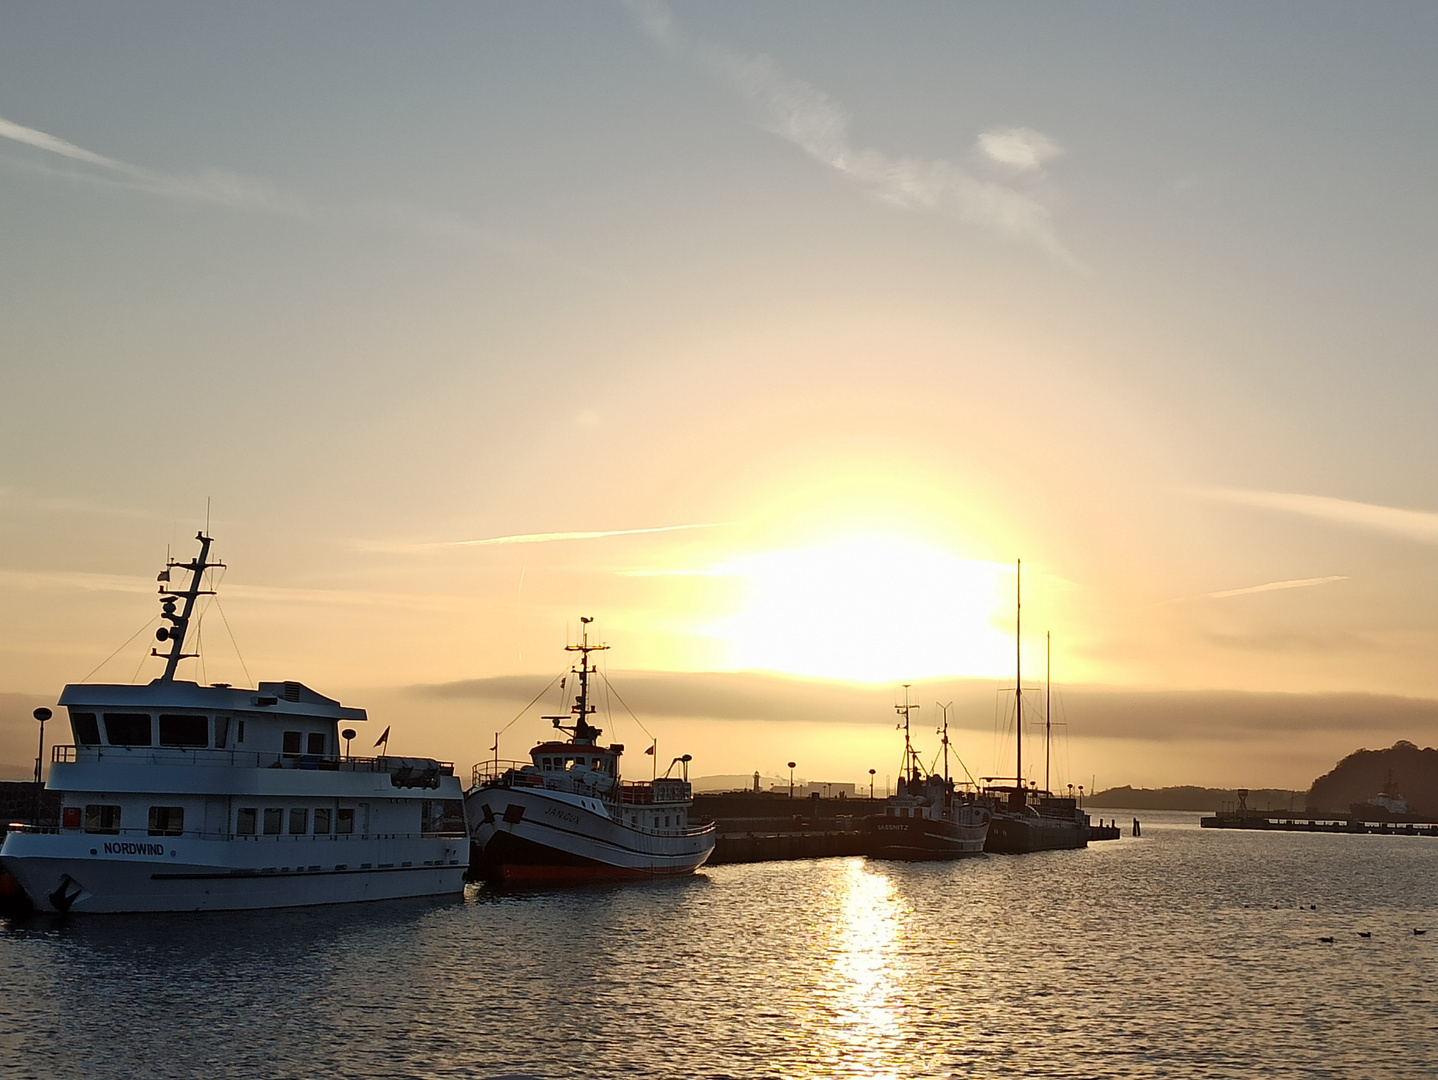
1018 674
180 622
582 731
1048 702
910 758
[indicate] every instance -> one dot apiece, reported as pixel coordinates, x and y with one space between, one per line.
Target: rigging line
531 704
249 679
627 709
148 623
138 666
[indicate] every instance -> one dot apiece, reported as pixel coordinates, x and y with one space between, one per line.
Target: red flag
383 738
651 748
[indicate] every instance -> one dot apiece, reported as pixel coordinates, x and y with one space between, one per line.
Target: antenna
180 622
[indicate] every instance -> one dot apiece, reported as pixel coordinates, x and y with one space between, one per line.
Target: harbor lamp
791 779
347 734
41 714
871 785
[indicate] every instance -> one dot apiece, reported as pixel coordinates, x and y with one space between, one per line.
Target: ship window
86 728
345 820
273 818
71 817
127 729
316 743
299 821
167 820
185 731
322 821
102 818
245 821
222 731
240 732
292 744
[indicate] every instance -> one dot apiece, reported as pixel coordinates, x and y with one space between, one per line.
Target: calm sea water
1186 953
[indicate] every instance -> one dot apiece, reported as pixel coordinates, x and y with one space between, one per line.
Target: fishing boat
180 797
567 815
926 818
1028 818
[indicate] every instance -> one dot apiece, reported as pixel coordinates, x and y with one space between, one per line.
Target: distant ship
568 816
1027 818
927 818
182 797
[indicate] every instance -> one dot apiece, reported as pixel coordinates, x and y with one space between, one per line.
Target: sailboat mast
1018 672
1048 701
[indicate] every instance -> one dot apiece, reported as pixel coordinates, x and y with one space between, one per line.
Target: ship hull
922 838
60 874
534 836
1014 835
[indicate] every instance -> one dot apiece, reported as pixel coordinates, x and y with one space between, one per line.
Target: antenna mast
582 731
180 623
910 758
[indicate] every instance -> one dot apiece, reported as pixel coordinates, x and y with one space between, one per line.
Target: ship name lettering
563 815
129 847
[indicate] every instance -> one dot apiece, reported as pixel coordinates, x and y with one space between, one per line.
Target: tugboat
182 797
1026 818
568 817
927 818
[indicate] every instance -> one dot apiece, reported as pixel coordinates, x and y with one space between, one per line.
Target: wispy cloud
1413 524
1020 149
1273 586
804 115
531 538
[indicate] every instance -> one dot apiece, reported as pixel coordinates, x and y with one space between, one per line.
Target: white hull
539 835
87 873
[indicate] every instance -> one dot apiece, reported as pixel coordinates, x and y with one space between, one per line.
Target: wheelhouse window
102 818
184 730
86 727
299 821
222 732
245 821
315 744
345 820
322 821
292 744
274 818
127 729
167 820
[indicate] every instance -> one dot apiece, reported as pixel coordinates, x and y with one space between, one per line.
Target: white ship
568 816
182 797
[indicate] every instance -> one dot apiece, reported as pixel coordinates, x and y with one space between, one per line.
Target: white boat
568 816
182 797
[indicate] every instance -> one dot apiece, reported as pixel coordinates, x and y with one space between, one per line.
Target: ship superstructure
177 796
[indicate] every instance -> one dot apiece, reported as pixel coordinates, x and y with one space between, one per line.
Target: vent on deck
292 691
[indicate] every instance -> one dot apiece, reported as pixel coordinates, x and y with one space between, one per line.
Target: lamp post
41 714
871 784
347 734
791 779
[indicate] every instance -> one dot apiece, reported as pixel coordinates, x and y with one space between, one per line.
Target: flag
164 575
383 738
651 748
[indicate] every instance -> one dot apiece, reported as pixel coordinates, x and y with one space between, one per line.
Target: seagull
1365 933
1326 940
1420 931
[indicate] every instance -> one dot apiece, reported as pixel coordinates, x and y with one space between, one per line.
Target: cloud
1298 583
1020 149
807 117
1412 524
532 538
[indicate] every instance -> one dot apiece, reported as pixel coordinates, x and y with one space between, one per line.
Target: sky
770 336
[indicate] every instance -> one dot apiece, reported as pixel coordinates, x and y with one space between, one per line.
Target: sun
869 607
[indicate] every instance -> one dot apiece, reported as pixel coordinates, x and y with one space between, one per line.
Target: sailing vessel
181 797
1028 818
568 816
927 818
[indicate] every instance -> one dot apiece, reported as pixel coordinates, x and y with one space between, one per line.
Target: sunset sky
769 335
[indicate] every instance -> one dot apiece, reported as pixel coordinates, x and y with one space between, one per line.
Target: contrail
545 538
1300 583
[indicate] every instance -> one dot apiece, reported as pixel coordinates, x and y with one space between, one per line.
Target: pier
1291 822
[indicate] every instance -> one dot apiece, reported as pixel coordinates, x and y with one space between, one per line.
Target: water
1187 953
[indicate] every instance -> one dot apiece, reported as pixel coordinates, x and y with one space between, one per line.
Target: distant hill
1363 774
1193 798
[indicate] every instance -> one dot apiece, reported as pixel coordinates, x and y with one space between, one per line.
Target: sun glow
870 608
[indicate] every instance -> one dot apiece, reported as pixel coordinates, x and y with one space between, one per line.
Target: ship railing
168 755
493 770
150 836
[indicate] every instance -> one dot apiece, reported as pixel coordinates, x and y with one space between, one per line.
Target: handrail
62 754
200 834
